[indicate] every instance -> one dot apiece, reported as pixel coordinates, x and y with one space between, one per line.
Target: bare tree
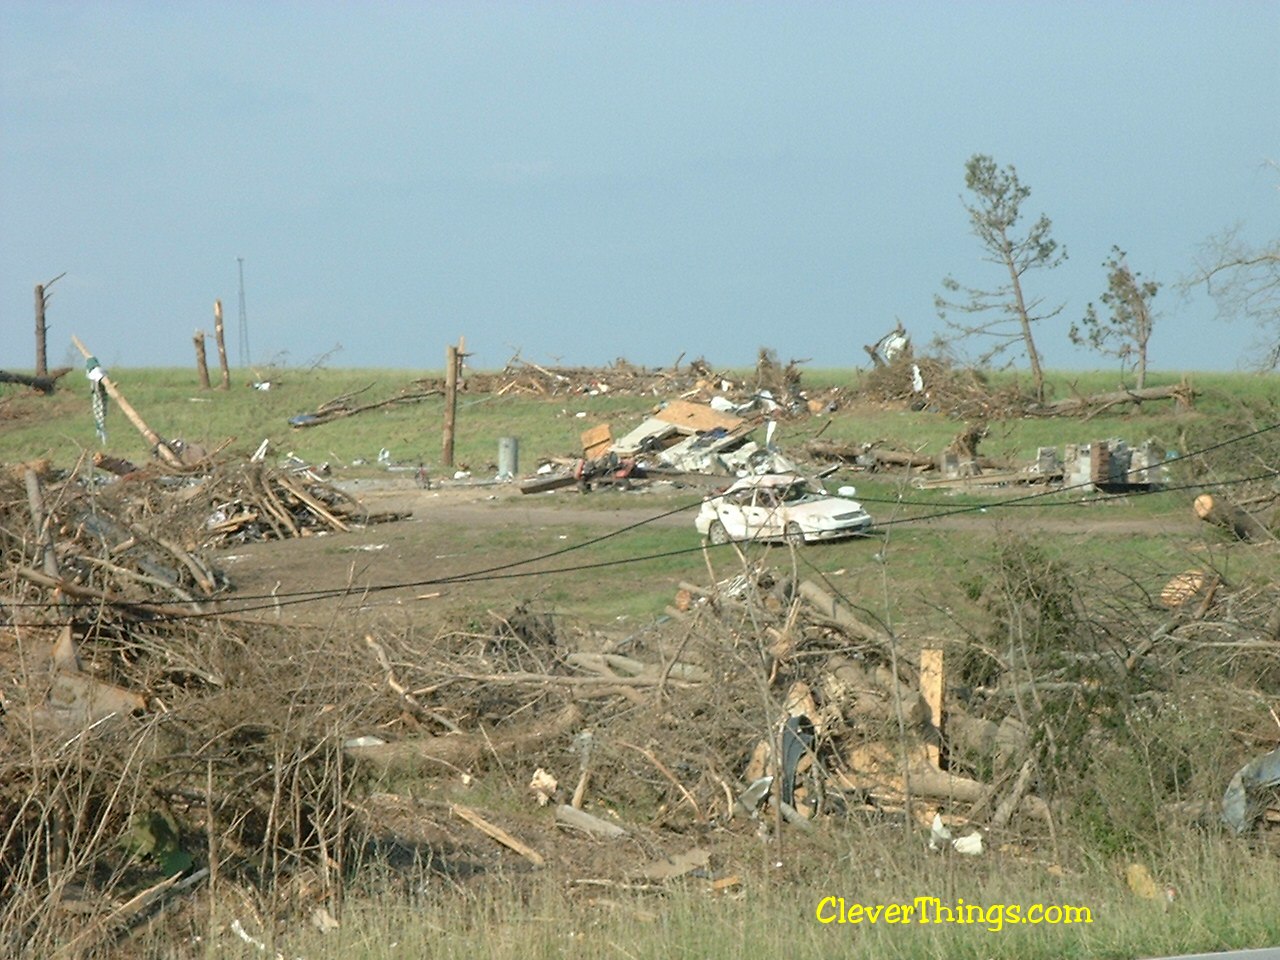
42 301
993 216
1127 331
1244 282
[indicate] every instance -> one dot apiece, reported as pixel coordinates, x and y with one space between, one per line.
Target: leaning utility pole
158 443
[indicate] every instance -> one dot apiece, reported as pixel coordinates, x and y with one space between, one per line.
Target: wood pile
145 539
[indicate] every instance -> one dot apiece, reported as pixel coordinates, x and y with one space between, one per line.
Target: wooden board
696 416
596 441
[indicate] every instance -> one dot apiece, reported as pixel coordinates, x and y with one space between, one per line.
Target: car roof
766 480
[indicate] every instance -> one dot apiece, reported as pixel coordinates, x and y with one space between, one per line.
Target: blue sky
587 181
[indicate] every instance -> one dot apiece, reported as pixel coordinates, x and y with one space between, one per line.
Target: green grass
172 404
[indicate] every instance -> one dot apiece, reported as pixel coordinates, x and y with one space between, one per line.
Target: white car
779 507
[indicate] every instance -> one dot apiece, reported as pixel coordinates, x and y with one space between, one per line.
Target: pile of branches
218 751
142 762
697 381
67 540
935 383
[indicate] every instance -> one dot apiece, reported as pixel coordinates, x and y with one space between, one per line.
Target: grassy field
172 404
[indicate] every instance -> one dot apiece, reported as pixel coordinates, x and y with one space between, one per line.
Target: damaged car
785 507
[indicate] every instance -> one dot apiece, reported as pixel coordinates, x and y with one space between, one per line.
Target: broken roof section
694 438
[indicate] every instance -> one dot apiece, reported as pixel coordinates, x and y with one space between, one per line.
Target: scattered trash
939 835
1251 791
543 786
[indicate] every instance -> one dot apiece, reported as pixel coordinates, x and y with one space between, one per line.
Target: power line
507 571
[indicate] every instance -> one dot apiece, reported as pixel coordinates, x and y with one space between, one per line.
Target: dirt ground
452 530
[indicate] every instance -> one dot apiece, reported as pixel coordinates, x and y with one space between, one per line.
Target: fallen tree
46 384
1181 393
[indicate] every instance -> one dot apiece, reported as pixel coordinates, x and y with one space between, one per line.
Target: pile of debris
144 538
761 703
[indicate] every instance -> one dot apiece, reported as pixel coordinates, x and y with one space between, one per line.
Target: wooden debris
668 868
1183 394
581 820
42 384
498 834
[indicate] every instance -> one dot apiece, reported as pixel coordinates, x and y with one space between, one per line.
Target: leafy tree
998 196
1127 331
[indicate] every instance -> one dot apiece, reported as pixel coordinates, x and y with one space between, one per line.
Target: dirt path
458 531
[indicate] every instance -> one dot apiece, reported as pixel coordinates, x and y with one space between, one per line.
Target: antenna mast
244 319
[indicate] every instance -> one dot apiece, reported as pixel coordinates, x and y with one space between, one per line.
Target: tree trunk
1183 393
1024 320
42 359
222 345
1222 513
202 363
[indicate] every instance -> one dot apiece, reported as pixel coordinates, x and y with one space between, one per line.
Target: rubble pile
772 387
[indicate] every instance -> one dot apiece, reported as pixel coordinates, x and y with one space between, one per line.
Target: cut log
830 607
1221 512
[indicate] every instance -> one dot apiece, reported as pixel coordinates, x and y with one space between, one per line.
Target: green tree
1126 332
1005 315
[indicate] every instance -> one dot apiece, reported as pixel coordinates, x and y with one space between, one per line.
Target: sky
582 182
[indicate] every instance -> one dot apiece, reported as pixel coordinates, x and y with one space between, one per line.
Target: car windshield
795 492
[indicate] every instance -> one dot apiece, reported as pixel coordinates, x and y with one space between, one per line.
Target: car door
733 509
764 516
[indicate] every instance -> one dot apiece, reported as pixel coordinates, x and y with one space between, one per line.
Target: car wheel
717 534
794 535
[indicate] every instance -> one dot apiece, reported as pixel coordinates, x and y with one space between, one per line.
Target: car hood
826 508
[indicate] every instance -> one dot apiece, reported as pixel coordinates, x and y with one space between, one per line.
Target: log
829 607
1221 512
1183 393
43 383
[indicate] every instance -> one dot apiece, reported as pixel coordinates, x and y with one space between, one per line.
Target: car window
796 491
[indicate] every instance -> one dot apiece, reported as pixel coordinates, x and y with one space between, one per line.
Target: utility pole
453 365
244 319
